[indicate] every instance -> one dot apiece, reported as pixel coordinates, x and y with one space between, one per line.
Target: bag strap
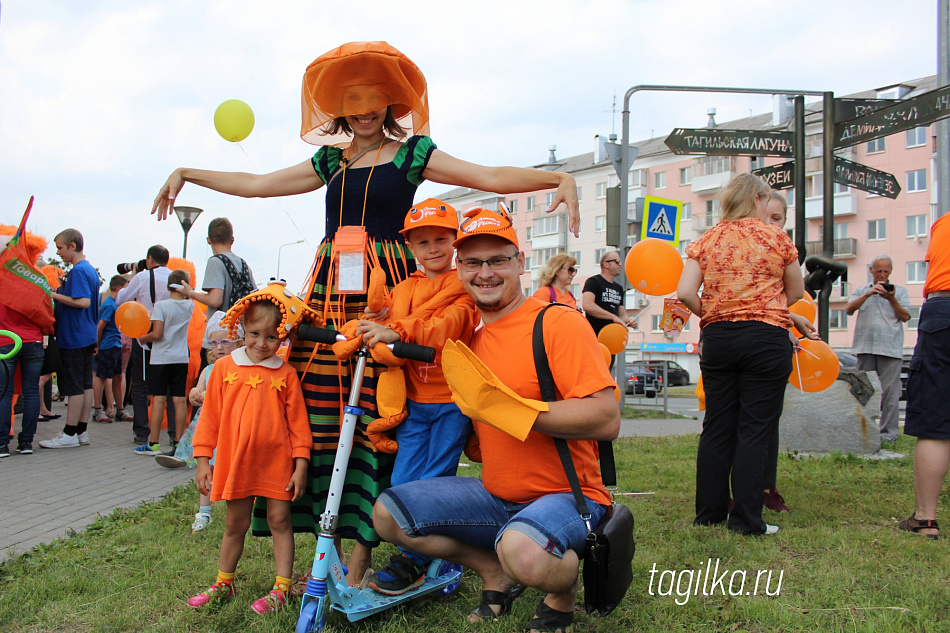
553 294
546 382
151 285
344 161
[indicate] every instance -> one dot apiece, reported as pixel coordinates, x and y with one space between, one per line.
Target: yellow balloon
234 120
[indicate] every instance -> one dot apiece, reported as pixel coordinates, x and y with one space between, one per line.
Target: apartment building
865 225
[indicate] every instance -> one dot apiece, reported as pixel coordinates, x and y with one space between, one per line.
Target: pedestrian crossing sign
661 219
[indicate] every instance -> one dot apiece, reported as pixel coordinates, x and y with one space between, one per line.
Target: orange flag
22 287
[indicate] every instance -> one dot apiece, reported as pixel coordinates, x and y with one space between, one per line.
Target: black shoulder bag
609 549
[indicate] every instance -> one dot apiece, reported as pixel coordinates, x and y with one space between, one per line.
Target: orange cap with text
480 221
431 212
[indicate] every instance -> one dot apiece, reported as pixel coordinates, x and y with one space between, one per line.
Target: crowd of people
265 436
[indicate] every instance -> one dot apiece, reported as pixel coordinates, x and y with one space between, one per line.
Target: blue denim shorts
461 508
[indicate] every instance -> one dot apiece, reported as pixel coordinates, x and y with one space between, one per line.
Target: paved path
53 492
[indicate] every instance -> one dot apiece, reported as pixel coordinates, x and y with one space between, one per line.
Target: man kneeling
518 526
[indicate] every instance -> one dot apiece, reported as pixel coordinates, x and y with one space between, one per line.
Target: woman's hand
567 193
165 200
805 326
195 397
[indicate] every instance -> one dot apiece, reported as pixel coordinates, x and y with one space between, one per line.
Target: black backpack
241 285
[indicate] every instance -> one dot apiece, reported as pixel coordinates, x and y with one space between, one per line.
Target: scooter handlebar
410 351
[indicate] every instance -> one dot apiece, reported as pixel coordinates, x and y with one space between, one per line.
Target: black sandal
503 599
915 525
550 620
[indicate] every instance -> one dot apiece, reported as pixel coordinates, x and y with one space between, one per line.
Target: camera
888 287
137 267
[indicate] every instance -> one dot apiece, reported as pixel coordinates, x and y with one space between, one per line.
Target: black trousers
745 367
138 364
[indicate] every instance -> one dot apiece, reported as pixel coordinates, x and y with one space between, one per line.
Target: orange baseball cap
480 221
431 212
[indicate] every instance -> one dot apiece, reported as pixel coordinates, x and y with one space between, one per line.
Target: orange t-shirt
255 416
430 312
565 297
938 254
743 264
521 472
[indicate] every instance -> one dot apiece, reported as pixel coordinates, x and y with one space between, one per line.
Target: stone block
831 420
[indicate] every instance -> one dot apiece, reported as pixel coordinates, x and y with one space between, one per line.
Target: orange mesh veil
361 77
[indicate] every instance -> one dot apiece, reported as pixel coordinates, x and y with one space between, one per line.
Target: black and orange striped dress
326 384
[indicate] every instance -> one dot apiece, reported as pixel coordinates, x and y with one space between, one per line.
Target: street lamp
187 217
278 253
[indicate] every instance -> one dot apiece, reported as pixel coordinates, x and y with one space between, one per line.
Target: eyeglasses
571 270
495 263
225 342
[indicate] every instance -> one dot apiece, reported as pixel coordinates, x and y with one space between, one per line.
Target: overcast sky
101 99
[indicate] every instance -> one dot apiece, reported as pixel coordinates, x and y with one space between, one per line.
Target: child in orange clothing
428 308
254 414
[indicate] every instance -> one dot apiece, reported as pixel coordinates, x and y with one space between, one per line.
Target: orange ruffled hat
480 221
431 212
358 78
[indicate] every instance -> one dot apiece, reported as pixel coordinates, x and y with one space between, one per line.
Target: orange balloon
606 352
617 394
814 367
613 337
132 319
654 267
805 307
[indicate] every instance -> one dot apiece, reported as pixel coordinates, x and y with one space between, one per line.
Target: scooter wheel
446 568
309 616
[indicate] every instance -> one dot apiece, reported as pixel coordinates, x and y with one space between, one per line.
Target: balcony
845 248
840 291
844 204
702 223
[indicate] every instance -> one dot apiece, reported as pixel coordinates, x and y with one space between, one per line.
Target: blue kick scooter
327 586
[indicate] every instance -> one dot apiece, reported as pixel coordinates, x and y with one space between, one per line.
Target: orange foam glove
344 349
481 396
377 295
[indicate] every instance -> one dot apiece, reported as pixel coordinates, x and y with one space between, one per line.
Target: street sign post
779 176
866 178
903 115
730 142
661 219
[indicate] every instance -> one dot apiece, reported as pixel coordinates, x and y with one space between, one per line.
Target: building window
790 197
877 230
546 225
527 232
529 203
637 178
655 322
917 180
659 180
709 165
916 225
839 188
916 137
916 272
527 263
600 223
686 175
600 190
814 185
683 245
549 199
579 194
598 254
687 211
876 146
512 207
914 318
838 320
540 256
576 255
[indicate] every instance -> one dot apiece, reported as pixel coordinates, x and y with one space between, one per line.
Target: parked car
847 361
675 373
642 382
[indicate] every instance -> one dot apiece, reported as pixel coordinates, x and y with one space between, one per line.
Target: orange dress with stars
256 418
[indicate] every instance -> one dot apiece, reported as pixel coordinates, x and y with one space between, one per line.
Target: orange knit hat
431 212
358 78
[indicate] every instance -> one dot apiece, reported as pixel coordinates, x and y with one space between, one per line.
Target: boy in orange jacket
428 308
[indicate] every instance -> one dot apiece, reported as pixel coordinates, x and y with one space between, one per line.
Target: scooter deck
366 602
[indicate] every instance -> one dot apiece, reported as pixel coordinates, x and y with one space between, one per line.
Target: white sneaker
61 441
84 438
202 520
770 529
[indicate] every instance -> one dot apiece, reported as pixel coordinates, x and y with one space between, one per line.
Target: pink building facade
865 225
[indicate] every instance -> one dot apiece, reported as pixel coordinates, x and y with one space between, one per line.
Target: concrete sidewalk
52 493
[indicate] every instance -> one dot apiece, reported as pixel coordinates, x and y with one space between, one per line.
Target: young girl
219 345
254 414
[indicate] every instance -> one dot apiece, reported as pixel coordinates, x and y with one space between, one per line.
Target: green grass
633 413
845 565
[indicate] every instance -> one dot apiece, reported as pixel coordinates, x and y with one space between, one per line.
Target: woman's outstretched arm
285 182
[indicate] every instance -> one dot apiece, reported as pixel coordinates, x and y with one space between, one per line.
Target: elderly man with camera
148 286
882 309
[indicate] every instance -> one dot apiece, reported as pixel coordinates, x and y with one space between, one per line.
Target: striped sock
282 585
225 578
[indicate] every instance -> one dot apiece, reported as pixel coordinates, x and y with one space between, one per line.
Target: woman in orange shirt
749 273
556 276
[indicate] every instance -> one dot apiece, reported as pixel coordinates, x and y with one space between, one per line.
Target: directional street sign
777 176
730 142
850 108
661 219
866 178
903 115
